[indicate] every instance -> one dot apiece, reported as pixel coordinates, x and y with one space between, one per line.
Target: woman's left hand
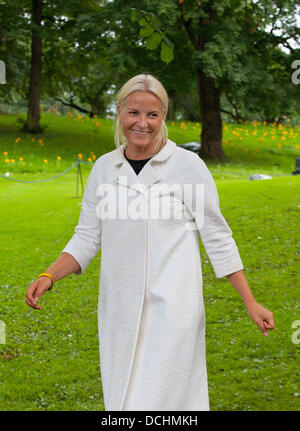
261 316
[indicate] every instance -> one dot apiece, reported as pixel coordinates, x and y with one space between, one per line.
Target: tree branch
188 27
236 115
73 105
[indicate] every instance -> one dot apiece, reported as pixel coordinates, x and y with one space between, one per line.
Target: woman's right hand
37 288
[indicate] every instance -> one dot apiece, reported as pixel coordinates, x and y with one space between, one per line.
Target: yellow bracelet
48 275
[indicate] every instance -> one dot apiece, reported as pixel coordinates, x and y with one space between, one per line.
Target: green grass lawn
51 357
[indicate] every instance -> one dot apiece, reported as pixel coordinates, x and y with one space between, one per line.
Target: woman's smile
139 132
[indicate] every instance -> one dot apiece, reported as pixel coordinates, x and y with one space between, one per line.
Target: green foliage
236 44
166 53
154 40
153 34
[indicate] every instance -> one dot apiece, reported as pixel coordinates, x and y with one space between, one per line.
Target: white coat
151 316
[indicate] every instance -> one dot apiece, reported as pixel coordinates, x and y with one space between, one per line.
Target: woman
151 314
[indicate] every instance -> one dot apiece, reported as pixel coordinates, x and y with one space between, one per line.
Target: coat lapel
149 175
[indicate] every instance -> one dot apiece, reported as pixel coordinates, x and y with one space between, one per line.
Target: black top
137 165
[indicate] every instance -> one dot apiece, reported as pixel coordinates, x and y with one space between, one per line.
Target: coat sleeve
215 233
86 241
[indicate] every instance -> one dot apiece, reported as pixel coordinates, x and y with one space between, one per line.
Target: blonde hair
142 82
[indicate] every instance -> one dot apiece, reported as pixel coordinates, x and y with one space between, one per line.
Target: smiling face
141 119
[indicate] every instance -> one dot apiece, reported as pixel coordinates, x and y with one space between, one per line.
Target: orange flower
89 159
5 153
45 161
58 157
94 157
13 160
279 145
79 155
7 160
21 158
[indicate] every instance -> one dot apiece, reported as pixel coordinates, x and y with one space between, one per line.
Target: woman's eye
151 115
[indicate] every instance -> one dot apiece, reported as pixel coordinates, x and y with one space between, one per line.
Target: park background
231 70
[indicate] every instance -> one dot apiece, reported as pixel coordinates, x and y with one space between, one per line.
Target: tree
33 115
14 50
224 35
51 24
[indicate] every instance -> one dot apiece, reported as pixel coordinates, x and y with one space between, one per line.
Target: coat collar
126 176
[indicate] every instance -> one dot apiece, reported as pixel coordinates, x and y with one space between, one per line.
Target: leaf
133 15
166 53
143 22
154 40
146 31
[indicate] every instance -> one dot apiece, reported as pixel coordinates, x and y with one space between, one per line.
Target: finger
268 319
269 325
39 292
271 322
36 306
31 304
31 292
261 327
29 300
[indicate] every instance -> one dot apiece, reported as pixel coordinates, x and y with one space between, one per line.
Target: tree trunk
211 135
33 117
171 110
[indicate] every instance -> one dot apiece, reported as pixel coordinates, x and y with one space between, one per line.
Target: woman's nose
142 121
